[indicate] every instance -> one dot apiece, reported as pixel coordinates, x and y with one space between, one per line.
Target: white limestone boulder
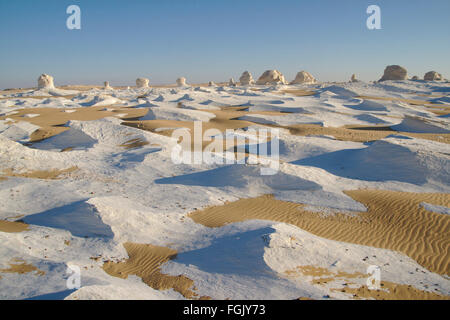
433 76
45 81
142 82
181 82
304 77
246 79
271 77
394 72
107 86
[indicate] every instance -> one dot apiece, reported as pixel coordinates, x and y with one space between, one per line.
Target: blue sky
214 40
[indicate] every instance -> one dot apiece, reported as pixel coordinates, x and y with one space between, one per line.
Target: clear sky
216 39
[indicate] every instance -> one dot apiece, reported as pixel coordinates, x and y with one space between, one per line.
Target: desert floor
87 180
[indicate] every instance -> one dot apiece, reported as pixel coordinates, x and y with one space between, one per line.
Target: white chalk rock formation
353 78
246 79
394 73
232 83
211 84
142 82
415 78
432 76
271 77
107 86
304 77
181 82
45 81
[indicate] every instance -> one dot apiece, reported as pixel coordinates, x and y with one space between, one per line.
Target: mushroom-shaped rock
432 76
107 86
142 82
394 73
181 82
304 77
232 83
271 77
246 79
45 81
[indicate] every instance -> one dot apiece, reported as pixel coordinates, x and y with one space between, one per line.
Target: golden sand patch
134 143
388 290
20 266
436 108
145 261
226 118
394 220
52 120
392 291
299 92
69 96
53 174
12 226
359 133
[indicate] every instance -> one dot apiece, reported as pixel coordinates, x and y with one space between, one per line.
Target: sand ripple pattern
394 220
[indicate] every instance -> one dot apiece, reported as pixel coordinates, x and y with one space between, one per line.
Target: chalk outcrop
433 76
271 77
394 72
211 84
232 83
142 82
246 79
45 81
415 78
107 86
304 77
353 78
181 82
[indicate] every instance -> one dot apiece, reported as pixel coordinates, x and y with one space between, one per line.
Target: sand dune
145 261
12 226
388 290
394 220
134 143
41 174
359 133
438 109
52 120
21 267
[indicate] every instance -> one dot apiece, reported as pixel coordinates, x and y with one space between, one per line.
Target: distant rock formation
433 76
246 79
394 72
353 78
107 86
232 83
142 82
415 78
304 77
271 77
45 81
181 82
211 84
